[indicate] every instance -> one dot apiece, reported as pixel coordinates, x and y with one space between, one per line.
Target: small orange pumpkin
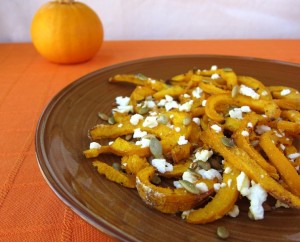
66 32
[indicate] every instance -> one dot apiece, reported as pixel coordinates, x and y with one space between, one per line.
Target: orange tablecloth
29 210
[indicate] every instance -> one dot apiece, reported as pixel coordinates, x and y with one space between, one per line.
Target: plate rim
42 158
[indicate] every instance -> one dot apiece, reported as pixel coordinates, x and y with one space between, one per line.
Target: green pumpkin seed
103 116
235 91
227 142
190 187
227 69
144 110
186 121
141 77
156 148
116 166
222 232
204 165
155 179
111 120
162 119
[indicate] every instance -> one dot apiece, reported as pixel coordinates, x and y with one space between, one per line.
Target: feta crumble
139 134
234 212
203 103
186 106
245 133
134 119
215 76
202 187
293 156
162 165
216 128
182 140
197 92
214 67
150 122
285 92
260 129
196 120
143 142
249 92
203 155
237 113
95 145
210 174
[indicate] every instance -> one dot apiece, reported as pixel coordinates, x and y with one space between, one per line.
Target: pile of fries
197 143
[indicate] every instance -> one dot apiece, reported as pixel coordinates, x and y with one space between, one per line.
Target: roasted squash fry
181 139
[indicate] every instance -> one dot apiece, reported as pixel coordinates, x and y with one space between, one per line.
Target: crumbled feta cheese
260 129
227 170
162 102
203 103
215 76
256 194
285 92
95 145
139 134
248 91
122 101
237 113
120 125
282 146
134 119
257 197
188 176
229 182
197 92
110 143
203 155
177 184
243 184
245 109
169 98
202 187
196 120
264 93
245 133
123 109
214 67
162 165
182 140
293 156
170 105
249 125
149 104
186 106
143 142
177 129
210 174
217 186
216 128
234 212
186 95
150 122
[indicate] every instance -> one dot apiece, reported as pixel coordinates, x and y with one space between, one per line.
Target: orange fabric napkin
29 210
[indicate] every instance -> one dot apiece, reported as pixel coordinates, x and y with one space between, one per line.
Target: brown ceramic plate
62 136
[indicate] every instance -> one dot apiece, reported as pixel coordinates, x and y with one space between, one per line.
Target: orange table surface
29 209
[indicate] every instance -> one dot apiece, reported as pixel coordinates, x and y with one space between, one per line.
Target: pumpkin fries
197 143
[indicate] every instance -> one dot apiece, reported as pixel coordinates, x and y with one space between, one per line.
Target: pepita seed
227 69
141 77
116 166
204 165
254 142
144 110
162 119
155 147
193 172
222 232
186 121
103 116
190 187
235 91
155 179
111 120
193 166
227 142
128 137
